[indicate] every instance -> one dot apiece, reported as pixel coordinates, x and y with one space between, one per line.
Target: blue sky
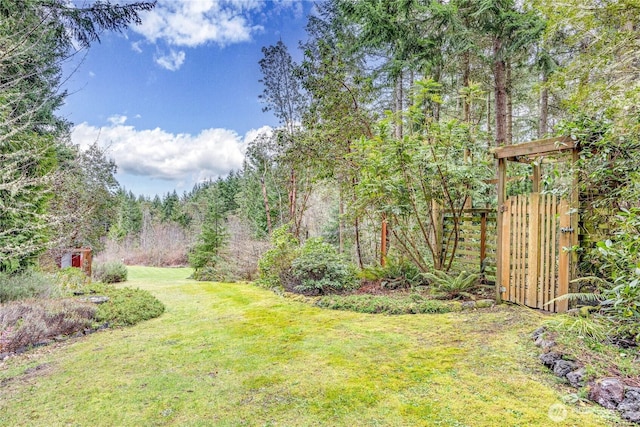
175 100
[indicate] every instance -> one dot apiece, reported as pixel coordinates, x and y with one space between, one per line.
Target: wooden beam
502 195
535 148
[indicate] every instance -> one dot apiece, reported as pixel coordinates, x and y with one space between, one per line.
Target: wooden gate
535 263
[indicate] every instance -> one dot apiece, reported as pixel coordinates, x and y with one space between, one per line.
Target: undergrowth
29 284
364 303
591 342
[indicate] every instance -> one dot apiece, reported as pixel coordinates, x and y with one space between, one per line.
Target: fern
577 296
453 286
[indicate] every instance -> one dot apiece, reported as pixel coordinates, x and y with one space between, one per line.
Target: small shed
79 258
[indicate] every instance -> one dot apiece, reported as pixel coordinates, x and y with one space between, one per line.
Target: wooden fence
476 249
536 232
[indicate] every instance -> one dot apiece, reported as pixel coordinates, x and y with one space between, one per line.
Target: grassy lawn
235 355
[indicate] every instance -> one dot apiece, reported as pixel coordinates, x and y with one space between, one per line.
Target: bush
71 279
320 269
110 272
275 265
126 306
27 323
365 303
396 275
223 271
28 284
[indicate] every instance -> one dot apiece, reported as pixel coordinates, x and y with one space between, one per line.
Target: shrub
320 269
126 306
110 272
26 323
365 303
274 266
396 275
28 284
71 279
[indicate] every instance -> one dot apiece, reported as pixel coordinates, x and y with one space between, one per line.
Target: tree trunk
509 85
399 100
341 225
500 82
543 125
266 204
292 200
466 102
383 241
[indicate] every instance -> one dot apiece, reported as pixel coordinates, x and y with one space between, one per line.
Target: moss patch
233 354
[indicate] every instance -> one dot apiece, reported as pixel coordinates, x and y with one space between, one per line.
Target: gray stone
468 305
633 416
608 392
549 359
544 344
631 401
562 367
576 378
538 332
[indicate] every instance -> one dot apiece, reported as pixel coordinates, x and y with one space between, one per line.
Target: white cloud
117 119
92 74
155 153
135 46
172 62
192 23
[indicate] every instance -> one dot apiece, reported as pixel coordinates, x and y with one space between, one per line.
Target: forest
389 125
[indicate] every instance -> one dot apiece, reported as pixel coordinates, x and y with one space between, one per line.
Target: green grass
236 355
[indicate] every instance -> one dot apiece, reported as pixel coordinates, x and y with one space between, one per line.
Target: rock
468 305
97 299
544 344
485 303
549 359
631 401
4 356
538 332
562 367
608 392
633 416
576 378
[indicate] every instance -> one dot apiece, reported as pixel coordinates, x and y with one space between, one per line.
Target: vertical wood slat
535 270
523 248
542 263
553 227
505 251
517 222
513 250
564 256
545 269
533 250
